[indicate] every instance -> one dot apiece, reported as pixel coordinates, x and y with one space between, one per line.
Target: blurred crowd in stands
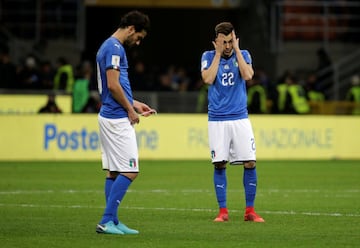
289 94
34 75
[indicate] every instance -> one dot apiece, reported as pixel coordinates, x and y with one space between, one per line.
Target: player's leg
117 193
250 183
220 184
107 187
109 180
121 160
108 223
243 151
219 147
107 227
250 186
105 164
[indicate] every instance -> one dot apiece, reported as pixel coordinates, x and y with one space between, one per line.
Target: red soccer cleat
222 216
252 216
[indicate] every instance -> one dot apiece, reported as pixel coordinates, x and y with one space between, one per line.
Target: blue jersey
227 96
111 55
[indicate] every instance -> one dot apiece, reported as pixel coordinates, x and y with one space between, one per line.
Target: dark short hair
224 28
136 18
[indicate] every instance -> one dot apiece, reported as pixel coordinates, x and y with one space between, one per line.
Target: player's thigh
119 145
219 141
243 144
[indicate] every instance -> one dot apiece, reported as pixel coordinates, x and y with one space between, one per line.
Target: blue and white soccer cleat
124 229
108 228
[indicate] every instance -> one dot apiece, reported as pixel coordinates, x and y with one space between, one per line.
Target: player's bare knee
112 174
250 164
220 165
130 175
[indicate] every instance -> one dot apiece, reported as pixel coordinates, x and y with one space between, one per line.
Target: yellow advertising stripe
177 136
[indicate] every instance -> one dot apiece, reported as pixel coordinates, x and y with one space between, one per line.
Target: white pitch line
182 210
261 191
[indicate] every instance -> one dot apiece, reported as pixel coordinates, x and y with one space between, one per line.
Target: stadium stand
294 30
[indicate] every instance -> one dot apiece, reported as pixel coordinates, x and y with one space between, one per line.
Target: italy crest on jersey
235 63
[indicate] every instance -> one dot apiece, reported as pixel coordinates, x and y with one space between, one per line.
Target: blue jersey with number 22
227 97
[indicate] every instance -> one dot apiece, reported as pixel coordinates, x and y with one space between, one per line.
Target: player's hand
143 109
219 44
148 113
235 41
133 117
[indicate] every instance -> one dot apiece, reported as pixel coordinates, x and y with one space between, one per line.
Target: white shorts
231 141
119 151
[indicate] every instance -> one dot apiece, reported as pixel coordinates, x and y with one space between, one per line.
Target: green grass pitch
172 204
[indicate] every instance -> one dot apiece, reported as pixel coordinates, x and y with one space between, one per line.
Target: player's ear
131 30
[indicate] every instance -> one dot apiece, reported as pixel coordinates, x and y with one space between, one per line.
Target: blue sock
117 193
108 184
250 183
220 184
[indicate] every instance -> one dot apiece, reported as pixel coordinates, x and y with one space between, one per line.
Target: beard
227 55
128 43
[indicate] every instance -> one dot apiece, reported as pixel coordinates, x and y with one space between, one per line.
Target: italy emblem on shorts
133 163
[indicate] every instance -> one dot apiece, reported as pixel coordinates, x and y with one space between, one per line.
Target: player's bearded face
135 39
228 46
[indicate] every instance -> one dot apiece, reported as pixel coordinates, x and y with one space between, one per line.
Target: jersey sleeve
113 57
247 56
205 61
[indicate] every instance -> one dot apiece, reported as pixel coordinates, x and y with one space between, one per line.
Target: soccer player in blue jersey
118 114
231 139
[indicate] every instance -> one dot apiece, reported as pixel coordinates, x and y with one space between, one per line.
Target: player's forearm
209 74
138 105
245 69
118 93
